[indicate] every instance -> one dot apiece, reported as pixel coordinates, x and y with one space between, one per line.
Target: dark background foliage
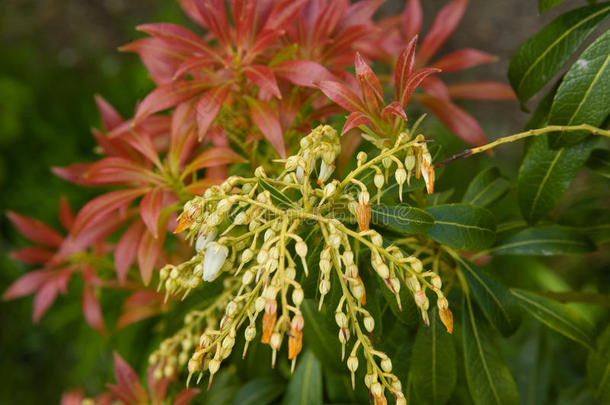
55 55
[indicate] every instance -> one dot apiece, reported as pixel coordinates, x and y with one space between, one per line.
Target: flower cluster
250 231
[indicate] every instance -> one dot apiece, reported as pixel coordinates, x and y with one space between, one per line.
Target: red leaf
44 298
456 119
404 67
328 18
101 206
463 59
92 310
141 141
436 88
178 34
283 13
27 284
160 57
91 235
302 72
66 216
73 397
117 170
168 95
215 156
244 12
345 40
185 396
182 139
200 186
208 106
369 84
150 209
413 82
360 13
395 109
264 78
156 387
482 91
411 19
443 26
128 383
353 120
33 255
341 95
149 249
263 40
267 121
136 314
126 249
73 173
35 230
110 117
192 65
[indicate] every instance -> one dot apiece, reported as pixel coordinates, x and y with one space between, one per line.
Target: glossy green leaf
544 241
540 116
546 174
462 226
402 218
320 335
544 5
556 316
433 363
277 197
494 299
599 162
305 387
598 367
543 55
535 365
486 187
261 391
584 94
489 380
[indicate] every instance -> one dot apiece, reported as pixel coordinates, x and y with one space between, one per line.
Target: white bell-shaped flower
215 256
325 171
203 240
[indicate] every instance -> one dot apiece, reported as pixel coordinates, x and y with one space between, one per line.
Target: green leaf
402 218
320 335
433 364
544 241
536 363
489 380
277 197
546 174
494 299
545 5
541 57
305 387
540 116
598 367
487 187
584 94
556 316
599 162
463 226
261 391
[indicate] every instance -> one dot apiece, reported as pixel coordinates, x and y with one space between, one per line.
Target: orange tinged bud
380 400
446 318
269 319
183 223
363 215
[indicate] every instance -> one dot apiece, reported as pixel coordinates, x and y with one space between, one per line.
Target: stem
532 132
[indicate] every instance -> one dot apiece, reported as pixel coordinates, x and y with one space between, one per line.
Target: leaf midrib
544 180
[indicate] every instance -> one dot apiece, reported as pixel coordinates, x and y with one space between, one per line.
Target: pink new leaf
66 216
150 209
44 298
92 310
110 117
267 121
126 249
463 59
412 18
264 78
185 396
215 156
149 250
27 284
168 95
208 106
395 109
283 13
413 82
341 95
482 91
128 383
33 255
302 72
35 230
444 24
353 120
404 67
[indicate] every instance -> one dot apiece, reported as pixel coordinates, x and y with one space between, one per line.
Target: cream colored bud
352 206
269 234
397 385
325 266
213 219
231 308
379 180
305 142
352 363
369 323
250 333
276 341
364 197
193 366
290 272
324 287
421 300
401 401
228 342
436 282
410 162
413 283
442 303
383 271
351 270
386 365
247 255
291 163
400 175
262 256
334 240
169 370
301 248
198 270
416 264
395 283
174 273
194 282
377 239
325 255
213 366
357 290
369 379
297 296
164 273
386 161
223 206
348 257
241 218
274 253
330 189
343 335
260 172
341 319
376 389
214 259
259 304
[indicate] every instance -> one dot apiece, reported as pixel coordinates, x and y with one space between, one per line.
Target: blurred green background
54 56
